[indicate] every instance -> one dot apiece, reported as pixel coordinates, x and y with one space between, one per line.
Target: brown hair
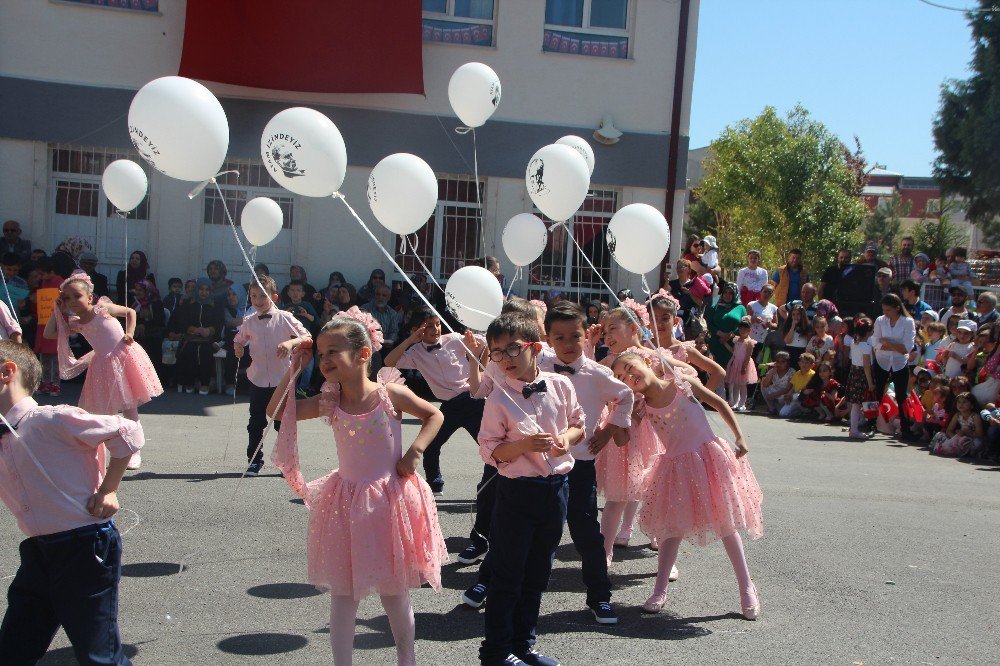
29 370
516 326
355 332
266 281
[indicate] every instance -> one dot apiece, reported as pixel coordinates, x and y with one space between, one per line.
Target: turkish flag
330 46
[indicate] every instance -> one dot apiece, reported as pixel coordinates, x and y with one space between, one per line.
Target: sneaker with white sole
203 391
603 612
135 461
474 552
475 596
253 469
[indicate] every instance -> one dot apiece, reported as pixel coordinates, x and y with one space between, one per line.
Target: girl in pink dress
621 469
120 376
665 320
697 489
373 525
741 369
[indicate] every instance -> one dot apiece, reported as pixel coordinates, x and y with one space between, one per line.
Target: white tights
734 548
738 395
344 612
616 520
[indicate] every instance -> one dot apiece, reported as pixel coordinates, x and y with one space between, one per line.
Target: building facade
68 71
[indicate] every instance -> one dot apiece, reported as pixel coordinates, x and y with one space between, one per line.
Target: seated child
792 401
957 353
964 435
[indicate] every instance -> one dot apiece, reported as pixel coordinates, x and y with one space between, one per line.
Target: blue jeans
527 526
68 579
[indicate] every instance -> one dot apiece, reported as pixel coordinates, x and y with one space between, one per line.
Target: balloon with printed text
558 180
179 127
581 146
474 295
638 237
402 192
304 152
474 93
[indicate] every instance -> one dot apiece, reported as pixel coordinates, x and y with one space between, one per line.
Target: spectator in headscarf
150 321
138 269
297 273
200 322
218 283
367 292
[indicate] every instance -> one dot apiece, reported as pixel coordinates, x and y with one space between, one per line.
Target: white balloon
402 192
261 220
179 127
124 184
475 296
474 93
557 181
304 152
638 237
524 239
581 146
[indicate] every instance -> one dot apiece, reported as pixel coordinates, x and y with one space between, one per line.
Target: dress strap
385 377
101 307
329 400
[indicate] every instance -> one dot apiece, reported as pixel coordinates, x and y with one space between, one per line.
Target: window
933 207
468 22
587 27
561 268
79 207
451 237
152 6
218 242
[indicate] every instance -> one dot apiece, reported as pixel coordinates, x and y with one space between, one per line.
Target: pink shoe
750 603
135 461
655 602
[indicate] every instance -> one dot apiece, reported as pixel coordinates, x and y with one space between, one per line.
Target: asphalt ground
874 553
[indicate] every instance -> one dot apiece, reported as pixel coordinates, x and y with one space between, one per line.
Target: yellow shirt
800 379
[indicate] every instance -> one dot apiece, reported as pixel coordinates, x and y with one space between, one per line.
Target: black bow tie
537 387
4 429
564 368
431 348
264 316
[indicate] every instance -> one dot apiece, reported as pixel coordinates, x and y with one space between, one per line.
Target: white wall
89 45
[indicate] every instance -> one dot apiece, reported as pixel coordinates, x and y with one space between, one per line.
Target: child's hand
238 350
599 440
407 465
301 355
539 443
283 350
594 334
127 339
416 335
741 447
474 345
102 505
560 446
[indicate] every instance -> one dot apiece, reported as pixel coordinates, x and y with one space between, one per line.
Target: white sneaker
674 574
189 389
135 461
203 391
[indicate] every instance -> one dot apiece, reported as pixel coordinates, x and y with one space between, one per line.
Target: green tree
967 127
882 224
935 235
701 220
777 183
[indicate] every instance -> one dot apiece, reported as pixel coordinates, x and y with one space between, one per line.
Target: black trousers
259 397
900 384
462 411
486 497
195 362
69 580
527 526
584 529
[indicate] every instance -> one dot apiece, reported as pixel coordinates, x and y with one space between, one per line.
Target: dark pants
69 579
900 384
527 526
584 529
486 498
195 362
462 411
259 397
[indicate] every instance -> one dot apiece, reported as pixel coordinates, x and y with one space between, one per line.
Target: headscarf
353 297
152 293
197 297
133 275
220 288
367 291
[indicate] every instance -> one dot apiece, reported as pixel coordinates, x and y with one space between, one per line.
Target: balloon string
513 279
201 186
420 261
236 377
479 211
420 294
124 217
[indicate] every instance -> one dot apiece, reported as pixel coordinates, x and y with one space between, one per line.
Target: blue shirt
794 284
918 308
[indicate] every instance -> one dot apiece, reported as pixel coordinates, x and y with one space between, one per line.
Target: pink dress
697 488
119 376
370 530
734 369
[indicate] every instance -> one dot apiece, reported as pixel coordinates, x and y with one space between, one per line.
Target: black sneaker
509 660
437 489
536 658
603 613
475 596
253 469
474 552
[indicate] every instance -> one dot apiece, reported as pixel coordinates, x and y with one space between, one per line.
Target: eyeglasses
512 351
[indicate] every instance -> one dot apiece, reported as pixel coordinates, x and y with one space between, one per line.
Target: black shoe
509 660
475 596
474 552
437 489
603 612
535 658
254 468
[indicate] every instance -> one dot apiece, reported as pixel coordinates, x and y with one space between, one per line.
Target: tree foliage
935 235
967 127
700 220
882 224
777 183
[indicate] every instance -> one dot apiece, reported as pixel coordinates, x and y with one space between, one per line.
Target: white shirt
858 352
766 312
903 333
753 279
957 355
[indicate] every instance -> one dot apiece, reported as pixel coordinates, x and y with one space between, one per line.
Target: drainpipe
675 121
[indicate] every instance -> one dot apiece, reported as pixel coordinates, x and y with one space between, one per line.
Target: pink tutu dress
119 376
370 530
697 488
734 369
